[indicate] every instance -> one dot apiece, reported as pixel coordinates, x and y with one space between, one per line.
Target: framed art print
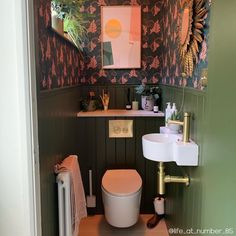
121 37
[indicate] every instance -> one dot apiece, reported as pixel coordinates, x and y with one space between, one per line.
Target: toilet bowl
121 195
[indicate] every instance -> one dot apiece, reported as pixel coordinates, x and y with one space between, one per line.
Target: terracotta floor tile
97 226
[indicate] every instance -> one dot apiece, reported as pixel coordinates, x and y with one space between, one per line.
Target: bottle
174 111
155 107
168 113
128 105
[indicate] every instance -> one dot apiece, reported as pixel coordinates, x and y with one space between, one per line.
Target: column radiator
64 204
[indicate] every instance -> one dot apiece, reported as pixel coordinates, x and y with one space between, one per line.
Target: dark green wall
61 133
209 201
99 152
183 203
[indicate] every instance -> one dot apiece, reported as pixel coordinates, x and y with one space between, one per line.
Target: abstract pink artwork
121 37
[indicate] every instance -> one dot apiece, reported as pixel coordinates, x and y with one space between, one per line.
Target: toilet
121 195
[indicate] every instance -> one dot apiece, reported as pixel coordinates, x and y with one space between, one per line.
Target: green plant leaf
74 20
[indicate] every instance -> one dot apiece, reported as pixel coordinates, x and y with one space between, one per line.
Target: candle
135 105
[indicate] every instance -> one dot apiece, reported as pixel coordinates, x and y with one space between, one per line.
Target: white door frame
19 156
33 116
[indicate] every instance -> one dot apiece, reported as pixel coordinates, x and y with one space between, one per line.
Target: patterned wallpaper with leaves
60 64
151 46
171 69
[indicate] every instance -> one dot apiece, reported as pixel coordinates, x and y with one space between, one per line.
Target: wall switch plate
120 128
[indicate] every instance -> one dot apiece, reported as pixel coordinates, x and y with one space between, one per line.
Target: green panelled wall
99 152
57 124
62 133
183 203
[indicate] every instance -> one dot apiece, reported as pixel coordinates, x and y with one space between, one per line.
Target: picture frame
121 37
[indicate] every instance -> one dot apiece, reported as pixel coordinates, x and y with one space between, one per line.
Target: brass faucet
186 126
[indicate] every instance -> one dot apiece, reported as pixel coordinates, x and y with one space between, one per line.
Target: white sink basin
159 147
169 147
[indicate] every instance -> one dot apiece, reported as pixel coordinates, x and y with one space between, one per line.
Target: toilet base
121 212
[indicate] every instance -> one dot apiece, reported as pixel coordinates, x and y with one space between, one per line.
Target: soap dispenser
168 113
174 111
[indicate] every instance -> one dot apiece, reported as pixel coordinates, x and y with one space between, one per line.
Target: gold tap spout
186 126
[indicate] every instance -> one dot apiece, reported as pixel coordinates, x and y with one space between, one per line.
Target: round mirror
190 33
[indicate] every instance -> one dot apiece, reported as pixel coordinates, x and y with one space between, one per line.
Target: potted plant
74 21
56 17
175 116
150 95
91 103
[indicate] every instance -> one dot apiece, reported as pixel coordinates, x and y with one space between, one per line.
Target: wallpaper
171 69
151 46
60 63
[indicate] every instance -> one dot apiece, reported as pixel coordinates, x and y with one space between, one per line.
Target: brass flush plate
120 128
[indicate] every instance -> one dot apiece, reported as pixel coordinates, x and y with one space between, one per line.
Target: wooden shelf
120 113
62 36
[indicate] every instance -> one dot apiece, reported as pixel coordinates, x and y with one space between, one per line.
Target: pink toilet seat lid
121 182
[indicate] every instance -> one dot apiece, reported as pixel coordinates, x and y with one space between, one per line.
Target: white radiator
64 204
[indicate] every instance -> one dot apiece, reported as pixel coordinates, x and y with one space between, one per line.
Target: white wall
16 153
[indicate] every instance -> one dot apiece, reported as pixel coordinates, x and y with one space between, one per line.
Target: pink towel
78 203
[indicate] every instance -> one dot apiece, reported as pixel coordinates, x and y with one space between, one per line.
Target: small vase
92 105
147 102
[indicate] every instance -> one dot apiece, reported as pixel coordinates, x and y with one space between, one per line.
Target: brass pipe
177 179
163 179
161 176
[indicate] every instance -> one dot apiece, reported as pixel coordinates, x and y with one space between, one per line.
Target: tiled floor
97 226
